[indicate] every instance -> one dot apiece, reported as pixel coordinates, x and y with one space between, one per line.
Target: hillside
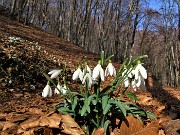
19 104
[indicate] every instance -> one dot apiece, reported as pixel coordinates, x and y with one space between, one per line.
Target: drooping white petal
142 86
53 71
143 72
50 92
56 91
134 85
126 82
64 90
114 73
106 71
138 81
131 73
88 70
102 74
96 71
55 74
110 69
136 73
87 76
78 74
47 91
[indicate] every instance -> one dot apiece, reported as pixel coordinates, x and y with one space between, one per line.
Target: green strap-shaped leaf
104 101
74 103
65 110
131 95
94 102
83 111
89 99
106 124
107 108
123 109
151 115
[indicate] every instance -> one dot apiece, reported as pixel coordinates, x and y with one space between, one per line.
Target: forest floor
22 108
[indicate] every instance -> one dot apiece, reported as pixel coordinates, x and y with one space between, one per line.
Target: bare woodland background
119 27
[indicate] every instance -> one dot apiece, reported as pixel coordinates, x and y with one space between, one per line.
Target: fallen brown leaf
171 127
3 116
69 126
133 126
10 127
2 125
52 121
161 132
29 124
99 131
35 111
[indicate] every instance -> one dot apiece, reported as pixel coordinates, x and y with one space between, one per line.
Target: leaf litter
24 111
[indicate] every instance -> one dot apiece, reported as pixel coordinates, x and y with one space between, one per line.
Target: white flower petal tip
78 74
47 91
98 71
54 73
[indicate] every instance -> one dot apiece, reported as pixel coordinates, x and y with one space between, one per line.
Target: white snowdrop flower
98 71
140 69
140 74
88 70
110 70
54 73
78 74
57 89
47 91
89 78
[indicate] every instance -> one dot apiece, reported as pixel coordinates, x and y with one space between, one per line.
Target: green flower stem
97 90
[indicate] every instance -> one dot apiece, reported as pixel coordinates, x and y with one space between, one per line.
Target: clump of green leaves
93 108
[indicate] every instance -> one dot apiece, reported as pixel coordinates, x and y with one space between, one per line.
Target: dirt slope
60 48
21 104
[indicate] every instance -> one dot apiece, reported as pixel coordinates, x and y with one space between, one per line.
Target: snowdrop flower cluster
14 39
97 73
137 75
47 91
60 88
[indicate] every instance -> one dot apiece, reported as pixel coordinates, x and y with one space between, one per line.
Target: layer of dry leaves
24 111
